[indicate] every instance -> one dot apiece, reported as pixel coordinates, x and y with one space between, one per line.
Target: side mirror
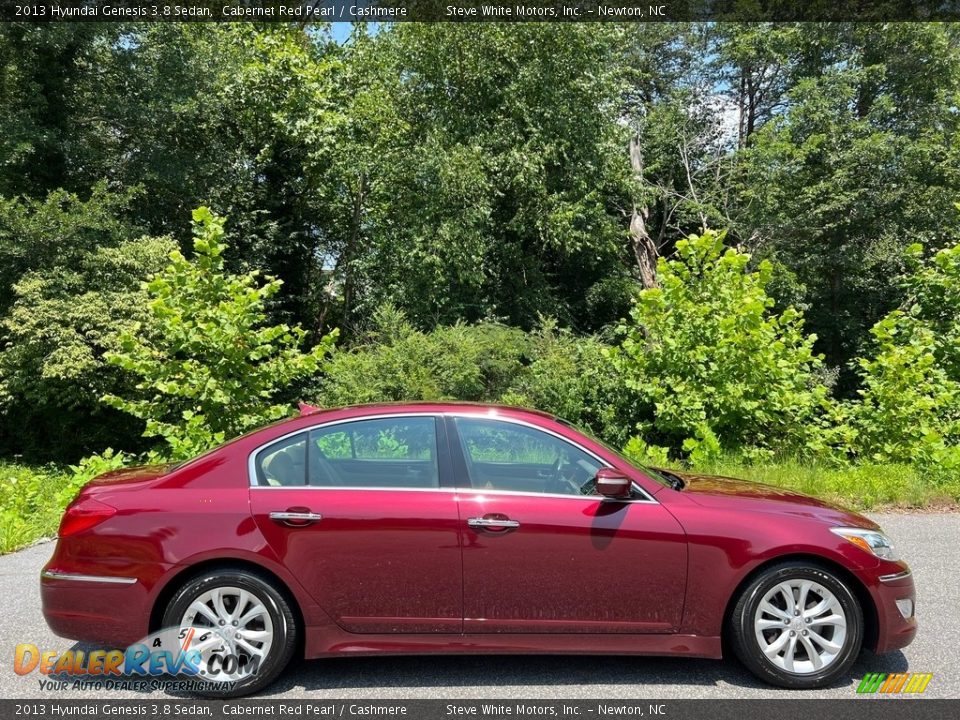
613 483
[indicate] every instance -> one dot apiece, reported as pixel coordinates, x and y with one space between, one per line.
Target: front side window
505 456
396 452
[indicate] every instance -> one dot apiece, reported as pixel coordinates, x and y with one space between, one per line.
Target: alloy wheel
232 631
800 626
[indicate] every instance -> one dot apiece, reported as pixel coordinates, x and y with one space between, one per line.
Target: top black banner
320 11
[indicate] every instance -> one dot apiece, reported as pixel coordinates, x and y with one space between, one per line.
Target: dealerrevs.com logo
183 659
890 683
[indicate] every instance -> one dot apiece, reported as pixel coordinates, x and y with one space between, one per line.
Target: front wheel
797 625
242 627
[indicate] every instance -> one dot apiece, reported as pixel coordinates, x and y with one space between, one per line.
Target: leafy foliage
713 364
90 467
208 367
572 378
74 272
39 71
547 369
910 402
31 503
853 156
395 361
478 173
59 231
438 190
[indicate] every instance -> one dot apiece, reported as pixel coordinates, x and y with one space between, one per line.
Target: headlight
872 541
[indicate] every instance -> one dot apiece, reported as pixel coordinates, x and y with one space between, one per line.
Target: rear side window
284 463
381 452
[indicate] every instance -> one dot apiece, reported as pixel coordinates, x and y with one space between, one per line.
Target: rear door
356 511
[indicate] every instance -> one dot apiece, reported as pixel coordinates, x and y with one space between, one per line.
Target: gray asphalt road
930 542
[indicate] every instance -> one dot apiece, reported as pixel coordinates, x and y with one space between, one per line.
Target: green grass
31 503
32 498
858 487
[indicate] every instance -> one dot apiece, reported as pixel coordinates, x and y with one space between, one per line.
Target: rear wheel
797 625
242 627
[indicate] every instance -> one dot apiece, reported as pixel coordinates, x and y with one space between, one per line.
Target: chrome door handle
492 523
296 516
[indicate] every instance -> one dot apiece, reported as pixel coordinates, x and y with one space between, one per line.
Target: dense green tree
223 115
855 156
484 174
40 65
57 231
52 367
70 272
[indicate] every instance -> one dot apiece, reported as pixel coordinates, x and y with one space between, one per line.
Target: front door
543 553
356 511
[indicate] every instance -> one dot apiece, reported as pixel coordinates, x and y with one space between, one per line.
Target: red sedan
458 528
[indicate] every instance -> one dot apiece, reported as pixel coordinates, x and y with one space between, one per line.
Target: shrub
549 369
909 409
714 365
30 504
573 378
70 282
638 450
89 468
396 362
207 366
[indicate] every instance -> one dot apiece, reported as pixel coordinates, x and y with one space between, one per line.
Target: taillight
84 514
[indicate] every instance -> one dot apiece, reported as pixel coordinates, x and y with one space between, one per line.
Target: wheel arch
202 567
871 621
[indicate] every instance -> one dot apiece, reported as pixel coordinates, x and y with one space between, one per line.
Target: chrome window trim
379 488
56 575
252 473
903 574
647 497
252 457
646 500
455 491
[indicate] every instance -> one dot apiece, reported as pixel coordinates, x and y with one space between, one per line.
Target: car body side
199 515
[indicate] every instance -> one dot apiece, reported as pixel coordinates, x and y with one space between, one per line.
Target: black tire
743 635
284 622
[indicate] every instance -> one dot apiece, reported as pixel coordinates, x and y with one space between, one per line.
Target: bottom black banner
865 708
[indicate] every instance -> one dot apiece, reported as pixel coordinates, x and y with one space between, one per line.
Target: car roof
429 405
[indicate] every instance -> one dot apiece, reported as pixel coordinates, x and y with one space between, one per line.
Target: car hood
714 490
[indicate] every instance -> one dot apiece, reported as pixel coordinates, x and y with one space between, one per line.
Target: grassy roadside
30 503
858 487
31 497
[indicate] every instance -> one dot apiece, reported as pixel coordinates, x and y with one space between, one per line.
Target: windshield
665 479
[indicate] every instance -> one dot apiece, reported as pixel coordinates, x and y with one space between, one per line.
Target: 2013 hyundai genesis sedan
459 528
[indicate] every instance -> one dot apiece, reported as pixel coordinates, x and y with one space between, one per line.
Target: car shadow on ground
515 672
508 675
